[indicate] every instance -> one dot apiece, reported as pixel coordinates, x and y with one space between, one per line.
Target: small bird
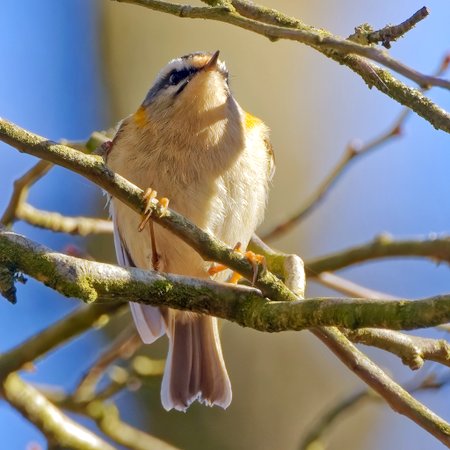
191 142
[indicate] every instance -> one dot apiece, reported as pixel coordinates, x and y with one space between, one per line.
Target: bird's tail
195 369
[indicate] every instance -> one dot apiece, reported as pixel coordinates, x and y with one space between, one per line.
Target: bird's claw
254 259
150 198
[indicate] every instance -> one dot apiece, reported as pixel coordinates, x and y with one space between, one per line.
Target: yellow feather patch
251 121
141 117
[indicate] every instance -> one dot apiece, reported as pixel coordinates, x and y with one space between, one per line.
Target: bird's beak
212 63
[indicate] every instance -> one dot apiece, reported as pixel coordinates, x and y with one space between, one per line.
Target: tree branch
91 281
274 25
353 152
412 350
58 223
93 168
397 397
312 438
391 33
383 246
372 375
54 336
57 428
20 191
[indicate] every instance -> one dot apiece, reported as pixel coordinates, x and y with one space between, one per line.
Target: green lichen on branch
275 25
91 281
93 168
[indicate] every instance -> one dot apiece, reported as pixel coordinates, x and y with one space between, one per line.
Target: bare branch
353 152
20 191
435 248
262 21
63 224
124 345
391 33
57 428
373 376
312 438
412 350
397 398
348 287
54 336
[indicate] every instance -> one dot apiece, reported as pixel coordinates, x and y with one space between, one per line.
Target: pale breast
225 195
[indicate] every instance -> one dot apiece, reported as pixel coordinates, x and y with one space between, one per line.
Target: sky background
76 66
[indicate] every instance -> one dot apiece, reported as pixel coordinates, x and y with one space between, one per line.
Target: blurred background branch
123 366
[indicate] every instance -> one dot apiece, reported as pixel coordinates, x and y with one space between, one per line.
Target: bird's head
192 84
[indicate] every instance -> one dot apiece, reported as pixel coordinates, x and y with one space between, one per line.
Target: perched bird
191 142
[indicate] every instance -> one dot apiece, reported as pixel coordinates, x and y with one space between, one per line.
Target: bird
191 142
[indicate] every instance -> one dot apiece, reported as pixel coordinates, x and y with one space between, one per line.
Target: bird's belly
229 207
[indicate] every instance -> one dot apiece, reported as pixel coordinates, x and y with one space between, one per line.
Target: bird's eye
177 76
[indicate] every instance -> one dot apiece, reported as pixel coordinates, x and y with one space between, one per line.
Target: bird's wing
148 319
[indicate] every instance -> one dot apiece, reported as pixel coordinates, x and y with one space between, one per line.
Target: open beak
212 63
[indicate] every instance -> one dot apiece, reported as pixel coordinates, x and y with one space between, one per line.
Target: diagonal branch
93 168
20 192
396 397
59 429
54 336
274 25
399 399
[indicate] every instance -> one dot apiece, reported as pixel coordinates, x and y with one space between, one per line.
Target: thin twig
391 33
353 152
54 336
348 287
314 435
124 345
434 248
20 192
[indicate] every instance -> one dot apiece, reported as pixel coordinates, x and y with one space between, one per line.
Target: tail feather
149 322
195 369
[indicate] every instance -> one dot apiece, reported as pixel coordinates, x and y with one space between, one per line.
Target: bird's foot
254 259
150 198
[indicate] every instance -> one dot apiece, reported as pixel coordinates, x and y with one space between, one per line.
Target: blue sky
51 84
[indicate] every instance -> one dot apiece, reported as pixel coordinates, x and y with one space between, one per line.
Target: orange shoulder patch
251 121
141 117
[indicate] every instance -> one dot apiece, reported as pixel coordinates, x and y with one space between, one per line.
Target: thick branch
92 281
93 168
370 373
